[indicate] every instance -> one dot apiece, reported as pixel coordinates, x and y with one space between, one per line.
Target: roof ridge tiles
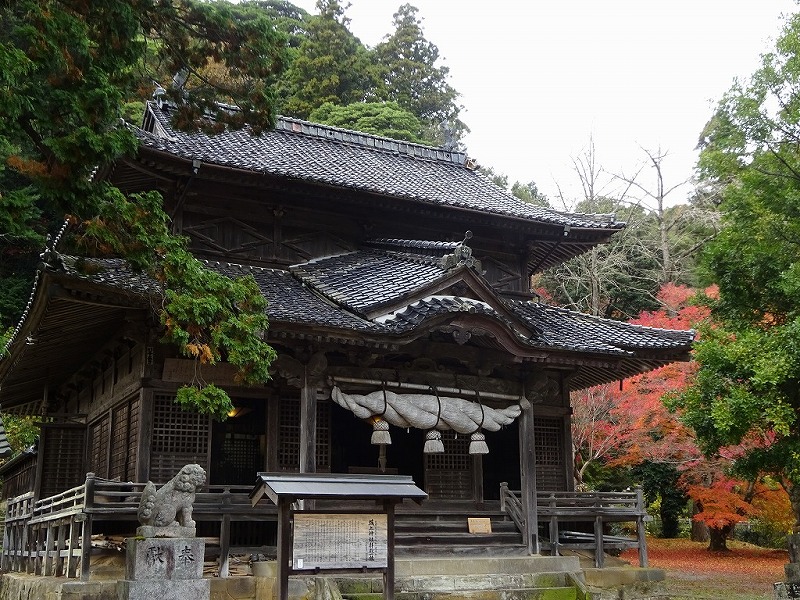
414 244
359 138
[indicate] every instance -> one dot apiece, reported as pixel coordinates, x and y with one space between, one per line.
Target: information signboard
340 541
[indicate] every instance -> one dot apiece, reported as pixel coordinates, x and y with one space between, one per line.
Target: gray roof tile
321 154
366 279
331 292
562 328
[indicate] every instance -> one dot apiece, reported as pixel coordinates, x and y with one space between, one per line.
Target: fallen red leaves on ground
745 570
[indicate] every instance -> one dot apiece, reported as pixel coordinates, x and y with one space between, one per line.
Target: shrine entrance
449 475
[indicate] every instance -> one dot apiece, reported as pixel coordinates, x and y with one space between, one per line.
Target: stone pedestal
790 589
164 569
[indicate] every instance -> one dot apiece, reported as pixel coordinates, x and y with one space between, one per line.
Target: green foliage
331 65
763 532
208 399
378 118
660 484
208 316
21 431
328 65
69 73
529 192
748 386
408 74
286 18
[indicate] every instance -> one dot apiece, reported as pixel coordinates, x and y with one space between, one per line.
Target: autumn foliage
629 425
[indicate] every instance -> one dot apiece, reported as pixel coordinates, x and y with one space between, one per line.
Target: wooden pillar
598 542
224 543
309 377
145 435
308 426
273 428
284 547
388 576
527 465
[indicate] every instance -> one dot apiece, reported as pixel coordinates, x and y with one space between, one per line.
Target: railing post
61 544
86 537
72 545
553 526
598 534
224 544
25 562
8 536
640 531
503 492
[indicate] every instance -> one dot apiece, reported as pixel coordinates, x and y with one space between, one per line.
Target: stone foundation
164 569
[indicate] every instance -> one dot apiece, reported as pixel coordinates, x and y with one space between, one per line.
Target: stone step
522 586
562 593
508 565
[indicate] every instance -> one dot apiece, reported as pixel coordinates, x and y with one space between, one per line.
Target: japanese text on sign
340 541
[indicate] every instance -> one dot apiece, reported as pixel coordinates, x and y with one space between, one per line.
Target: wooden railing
53 536
555 509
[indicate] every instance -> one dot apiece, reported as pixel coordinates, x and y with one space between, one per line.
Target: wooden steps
435 532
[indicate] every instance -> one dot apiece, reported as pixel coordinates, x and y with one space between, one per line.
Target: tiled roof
337 157
418 312
570 330
336 292
5 447
290 300
113 272
367 279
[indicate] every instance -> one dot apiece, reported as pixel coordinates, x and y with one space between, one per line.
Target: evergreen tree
748 385
331 65
67 69
409 76
378 118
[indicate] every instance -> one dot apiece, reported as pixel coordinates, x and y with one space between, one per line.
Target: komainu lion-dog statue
170 506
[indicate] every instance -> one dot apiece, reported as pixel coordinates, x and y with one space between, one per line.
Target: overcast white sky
538 78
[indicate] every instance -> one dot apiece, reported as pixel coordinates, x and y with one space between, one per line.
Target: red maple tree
628 425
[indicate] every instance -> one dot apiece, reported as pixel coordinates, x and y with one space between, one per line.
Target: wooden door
448 476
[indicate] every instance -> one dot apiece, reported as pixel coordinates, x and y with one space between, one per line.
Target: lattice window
124 440
549 448
180 437
289 435
98 446
62 456
449 475
323 435
242 458
21 479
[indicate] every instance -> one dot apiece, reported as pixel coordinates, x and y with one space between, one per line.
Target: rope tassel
380 426
477 443
380 432
433 442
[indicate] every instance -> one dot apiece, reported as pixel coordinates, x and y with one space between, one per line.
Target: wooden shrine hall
408 339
